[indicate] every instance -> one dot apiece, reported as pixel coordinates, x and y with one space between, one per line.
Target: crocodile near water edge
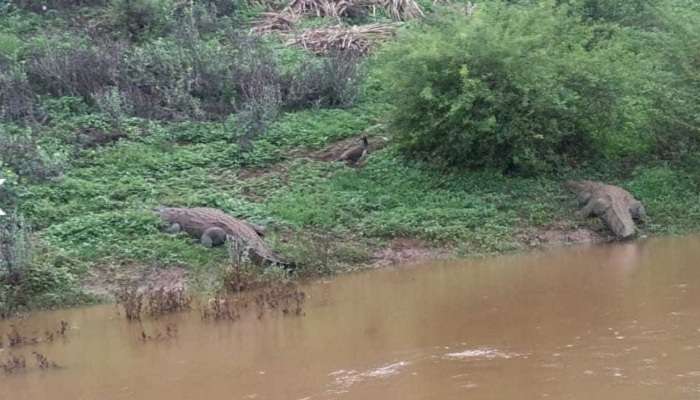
213 227
615 206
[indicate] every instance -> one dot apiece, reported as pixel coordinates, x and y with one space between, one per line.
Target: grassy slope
99 212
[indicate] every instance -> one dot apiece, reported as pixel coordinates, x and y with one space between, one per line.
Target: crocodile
615 206
214 227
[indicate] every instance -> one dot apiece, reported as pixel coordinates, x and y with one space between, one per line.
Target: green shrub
333 81
636 13
10 46
15 247
29 275
676 46
519 88
18 102
21 152
670 196
43 6
71 66
141 18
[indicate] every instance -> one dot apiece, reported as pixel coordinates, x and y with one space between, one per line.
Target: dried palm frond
402 10
359 39
321 8
275 22
399 10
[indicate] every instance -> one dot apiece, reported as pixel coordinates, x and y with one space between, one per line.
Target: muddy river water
601 322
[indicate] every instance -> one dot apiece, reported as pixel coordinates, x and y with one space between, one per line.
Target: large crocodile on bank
213 227
615 206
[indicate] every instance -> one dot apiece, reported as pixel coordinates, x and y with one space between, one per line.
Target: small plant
170 333
13 364
42 362
17 339
131 301
164 301
21 152
15 260
333 82
113 104
50 336
15 248
152 302
140 18
244 287
285 297
222 307
18 102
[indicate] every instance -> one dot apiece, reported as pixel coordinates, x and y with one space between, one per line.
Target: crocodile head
582 189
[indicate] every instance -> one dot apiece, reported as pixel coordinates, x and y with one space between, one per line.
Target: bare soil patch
105 280
405 251
562 233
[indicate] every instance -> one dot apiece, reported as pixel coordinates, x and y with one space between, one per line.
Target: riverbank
104 120
326 216
95 228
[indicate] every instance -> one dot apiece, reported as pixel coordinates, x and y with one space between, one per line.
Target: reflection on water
608 322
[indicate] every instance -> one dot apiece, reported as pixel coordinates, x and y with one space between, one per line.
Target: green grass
325 215
99 212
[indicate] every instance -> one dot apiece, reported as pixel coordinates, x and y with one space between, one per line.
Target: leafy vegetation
529 88
111 108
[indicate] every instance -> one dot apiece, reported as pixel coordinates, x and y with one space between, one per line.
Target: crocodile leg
213 237
637 211
173 228
591 208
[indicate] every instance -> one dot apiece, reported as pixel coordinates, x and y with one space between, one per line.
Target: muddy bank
104 280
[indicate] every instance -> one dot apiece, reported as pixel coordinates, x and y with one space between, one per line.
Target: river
594 322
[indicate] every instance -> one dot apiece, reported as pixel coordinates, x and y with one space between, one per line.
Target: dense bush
333 81
21 152
68 66
182 76
141 18
42 6
517 88
17 99
29 276
666 32
676 46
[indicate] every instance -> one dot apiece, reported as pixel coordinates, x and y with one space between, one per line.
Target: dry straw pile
358 39
340 37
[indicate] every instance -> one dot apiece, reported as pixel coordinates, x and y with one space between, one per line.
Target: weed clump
131 301
13 364
30 275
170 333
15 338
245 287
152 302
164 301
60 332
43 362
